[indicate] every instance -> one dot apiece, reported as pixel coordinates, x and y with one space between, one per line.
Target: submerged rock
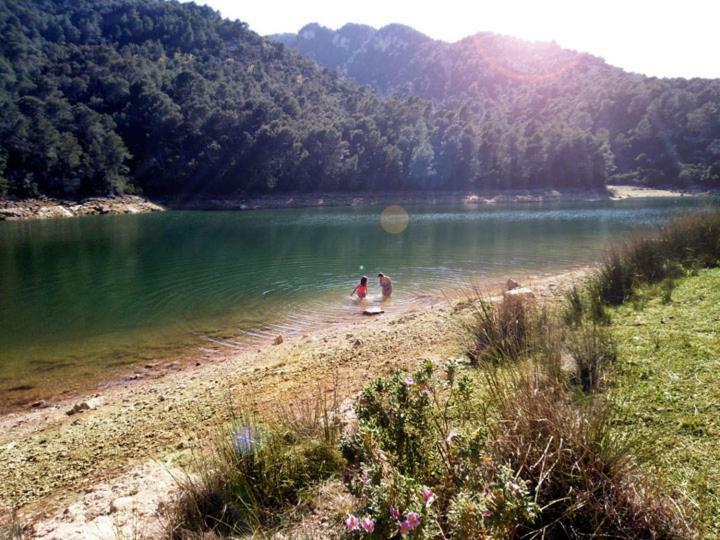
278 340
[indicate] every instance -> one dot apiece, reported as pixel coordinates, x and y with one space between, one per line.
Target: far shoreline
50 208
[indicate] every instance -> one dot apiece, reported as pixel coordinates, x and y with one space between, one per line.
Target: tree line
170 100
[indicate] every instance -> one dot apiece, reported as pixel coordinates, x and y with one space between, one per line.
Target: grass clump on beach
257 472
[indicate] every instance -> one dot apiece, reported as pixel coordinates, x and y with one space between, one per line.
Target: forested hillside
169 99
659 131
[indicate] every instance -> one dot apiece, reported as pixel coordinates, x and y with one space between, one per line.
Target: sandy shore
82 475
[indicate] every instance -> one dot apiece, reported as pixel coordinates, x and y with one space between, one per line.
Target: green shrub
426 432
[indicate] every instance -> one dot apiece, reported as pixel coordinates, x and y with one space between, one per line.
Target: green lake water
86 297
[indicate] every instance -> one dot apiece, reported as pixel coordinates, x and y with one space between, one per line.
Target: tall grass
586 481
688 241
592 350
584 478
500 331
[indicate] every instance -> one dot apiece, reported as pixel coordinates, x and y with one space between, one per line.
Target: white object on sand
373 311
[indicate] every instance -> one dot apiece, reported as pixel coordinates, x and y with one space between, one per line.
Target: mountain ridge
659 130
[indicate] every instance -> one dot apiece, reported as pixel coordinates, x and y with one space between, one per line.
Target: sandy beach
111 466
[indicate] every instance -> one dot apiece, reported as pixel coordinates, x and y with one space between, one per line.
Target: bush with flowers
420 465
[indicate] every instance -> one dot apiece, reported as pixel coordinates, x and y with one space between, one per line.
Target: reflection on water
79 295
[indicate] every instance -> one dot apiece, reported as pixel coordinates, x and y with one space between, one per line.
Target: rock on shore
54 208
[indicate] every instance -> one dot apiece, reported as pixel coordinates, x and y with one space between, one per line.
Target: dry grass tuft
585 479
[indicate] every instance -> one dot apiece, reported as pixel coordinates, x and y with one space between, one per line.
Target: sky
663 38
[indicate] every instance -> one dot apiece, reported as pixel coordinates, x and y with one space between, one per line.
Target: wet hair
363 280
381 274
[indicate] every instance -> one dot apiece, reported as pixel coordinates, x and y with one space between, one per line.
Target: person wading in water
386 285
361 288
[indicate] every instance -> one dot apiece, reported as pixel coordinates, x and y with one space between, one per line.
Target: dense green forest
658 131
169 99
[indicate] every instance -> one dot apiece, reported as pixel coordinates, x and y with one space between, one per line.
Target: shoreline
54 460
49 208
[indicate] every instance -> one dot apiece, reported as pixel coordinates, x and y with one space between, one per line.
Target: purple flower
352 523
426 392
427 495
405 528
486 514
409 380
369 525
451 436
413 519
395 513
514 488
244 438
364 477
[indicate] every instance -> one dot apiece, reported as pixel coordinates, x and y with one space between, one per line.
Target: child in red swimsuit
361 289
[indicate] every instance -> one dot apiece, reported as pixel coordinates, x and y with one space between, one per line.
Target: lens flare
394 219
532 68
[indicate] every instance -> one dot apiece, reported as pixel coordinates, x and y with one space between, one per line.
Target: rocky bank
44 208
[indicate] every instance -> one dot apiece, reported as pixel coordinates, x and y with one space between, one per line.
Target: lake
82 299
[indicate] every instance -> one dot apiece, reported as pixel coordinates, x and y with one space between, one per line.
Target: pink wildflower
395 513
405 528
426 391
413 520
409 380
427 495
514 488
486 514
352 523
369 525
451 436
